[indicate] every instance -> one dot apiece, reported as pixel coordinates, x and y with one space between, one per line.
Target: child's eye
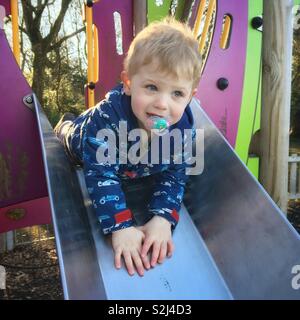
178 93
151 87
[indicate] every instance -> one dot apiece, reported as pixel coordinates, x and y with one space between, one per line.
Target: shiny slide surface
232 242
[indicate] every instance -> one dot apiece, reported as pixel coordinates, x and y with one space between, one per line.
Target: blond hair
170 45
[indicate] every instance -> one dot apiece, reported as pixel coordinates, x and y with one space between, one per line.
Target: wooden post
139 15
276 94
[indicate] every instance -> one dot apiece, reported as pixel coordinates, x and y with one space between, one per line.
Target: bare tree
42 44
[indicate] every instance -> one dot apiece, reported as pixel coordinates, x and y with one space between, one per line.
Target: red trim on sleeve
175 214
123 216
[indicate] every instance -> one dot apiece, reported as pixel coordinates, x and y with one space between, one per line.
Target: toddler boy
160 76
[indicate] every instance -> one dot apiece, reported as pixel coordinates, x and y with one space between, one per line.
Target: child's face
155 93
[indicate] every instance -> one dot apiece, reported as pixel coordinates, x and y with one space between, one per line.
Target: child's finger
118 263
128 262
141 228
155 253
138 263
146 246
163 252
146 262
171 248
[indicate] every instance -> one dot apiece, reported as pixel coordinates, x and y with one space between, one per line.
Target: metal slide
232 242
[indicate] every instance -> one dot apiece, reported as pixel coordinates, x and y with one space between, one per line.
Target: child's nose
161 103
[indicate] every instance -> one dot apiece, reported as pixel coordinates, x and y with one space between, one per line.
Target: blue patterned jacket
103 180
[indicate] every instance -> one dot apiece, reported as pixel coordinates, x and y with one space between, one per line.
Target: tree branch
23 30
31 26
58 22
59 42
39 11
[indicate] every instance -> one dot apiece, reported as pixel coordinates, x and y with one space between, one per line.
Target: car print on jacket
110 197
108 182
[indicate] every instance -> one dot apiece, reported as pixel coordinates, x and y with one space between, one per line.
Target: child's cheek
136 107
176 115
139 103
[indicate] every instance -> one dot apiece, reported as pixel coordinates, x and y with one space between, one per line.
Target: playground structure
22 171
235 230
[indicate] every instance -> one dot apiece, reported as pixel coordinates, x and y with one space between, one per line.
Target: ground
37 276
294 214
37 273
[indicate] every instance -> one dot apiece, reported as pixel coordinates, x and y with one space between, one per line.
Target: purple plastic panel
21 167
223 107
6 5
194 13
110 62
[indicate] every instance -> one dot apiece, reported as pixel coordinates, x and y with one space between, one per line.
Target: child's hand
128 243
158 235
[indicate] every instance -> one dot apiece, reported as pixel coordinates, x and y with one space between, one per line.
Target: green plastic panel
251 103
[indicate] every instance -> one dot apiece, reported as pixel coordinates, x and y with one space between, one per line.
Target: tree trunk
42 45
39 69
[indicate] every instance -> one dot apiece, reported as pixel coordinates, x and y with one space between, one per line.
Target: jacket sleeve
169 190
103 184
168 193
